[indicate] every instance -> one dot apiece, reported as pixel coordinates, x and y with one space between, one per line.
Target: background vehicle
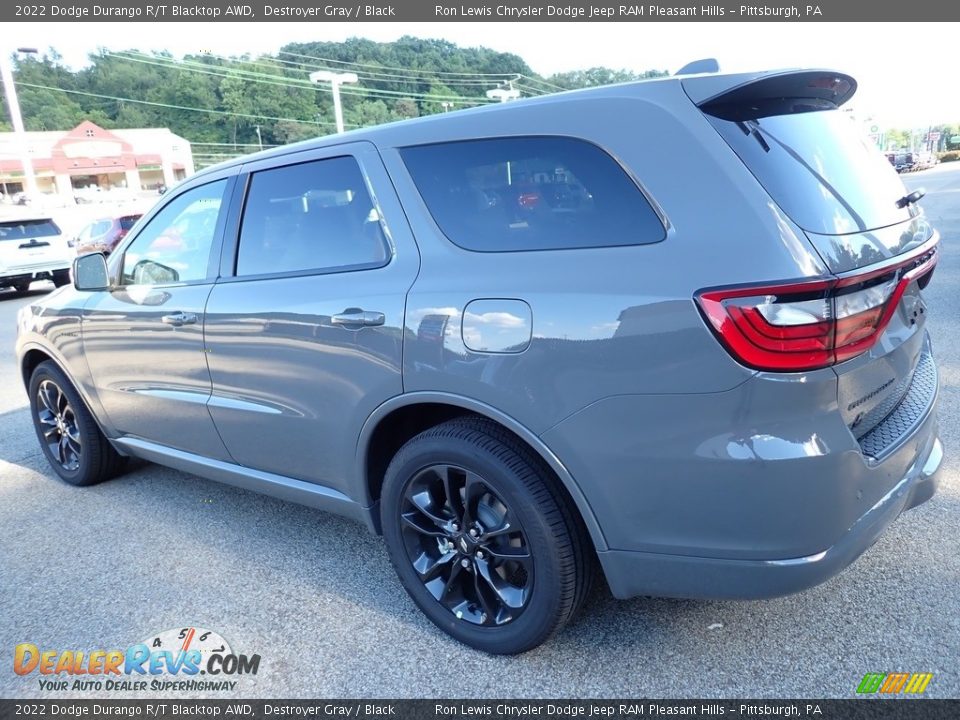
103 235
701 362
33 248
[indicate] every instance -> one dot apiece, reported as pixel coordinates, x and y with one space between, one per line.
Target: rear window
27 229
819 167
129 221
530 193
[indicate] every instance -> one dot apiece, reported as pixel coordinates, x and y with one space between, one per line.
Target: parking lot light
336 80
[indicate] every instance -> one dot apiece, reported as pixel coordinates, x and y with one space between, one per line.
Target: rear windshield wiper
910 199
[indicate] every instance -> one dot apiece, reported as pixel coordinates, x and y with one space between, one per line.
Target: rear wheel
481 537
69 437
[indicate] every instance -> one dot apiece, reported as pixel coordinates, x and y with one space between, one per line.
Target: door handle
353 317
179 319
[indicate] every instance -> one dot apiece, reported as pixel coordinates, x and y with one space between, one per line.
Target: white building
67 161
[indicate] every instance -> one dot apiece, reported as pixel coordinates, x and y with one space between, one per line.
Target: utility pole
335 80
6 72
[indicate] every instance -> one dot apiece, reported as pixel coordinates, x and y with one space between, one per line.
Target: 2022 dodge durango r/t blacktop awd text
524 339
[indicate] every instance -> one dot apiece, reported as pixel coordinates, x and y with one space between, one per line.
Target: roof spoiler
751 92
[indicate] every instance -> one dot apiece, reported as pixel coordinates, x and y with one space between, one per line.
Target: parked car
104 234
33 248
703 364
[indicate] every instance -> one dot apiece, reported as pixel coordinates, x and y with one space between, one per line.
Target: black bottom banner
852 709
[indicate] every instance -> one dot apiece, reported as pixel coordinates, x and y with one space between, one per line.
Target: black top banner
479 10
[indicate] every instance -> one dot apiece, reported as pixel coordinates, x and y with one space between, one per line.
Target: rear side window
27 229
819 168
314 216
531 193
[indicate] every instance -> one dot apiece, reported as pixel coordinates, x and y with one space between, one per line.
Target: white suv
31 249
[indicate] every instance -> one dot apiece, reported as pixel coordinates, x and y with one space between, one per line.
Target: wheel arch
404 416
32 355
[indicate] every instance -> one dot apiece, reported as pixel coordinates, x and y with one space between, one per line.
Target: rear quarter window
531 193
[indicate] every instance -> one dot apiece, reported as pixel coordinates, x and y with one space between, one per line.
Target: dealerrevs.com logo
170 661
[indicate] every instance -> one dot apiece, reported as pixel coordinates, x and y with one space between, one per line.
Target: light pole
335 80
259 139
446 106
29 180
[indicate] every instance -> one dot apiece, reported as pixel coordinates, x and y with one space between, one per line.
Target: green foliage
596 76
219 103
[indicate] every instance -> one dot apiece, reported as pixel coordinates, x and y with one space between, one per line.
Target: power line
279 80
388 67
410 74
551 85
172 107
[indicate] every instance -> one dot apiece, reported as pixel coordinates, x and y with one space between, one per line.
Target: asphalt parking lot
316 597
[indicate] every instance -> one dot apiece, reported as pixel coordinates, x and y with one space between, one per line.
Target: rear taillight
812 324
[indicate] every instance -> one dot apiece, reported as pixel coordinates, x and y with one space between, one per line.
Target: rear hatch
817 165
32 245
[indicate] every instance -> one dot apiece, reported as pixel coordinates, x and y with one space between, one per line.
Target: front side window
313 216
531 193
175 246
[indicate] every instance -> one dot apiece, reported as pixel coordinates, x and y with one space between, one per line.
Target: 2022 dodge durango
675 328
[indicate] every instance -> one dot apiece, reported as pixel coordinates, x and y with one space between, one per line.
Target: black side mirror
90 272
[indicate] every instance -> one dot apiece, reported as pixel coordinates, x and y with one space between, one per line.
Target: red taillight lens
529 200
807 325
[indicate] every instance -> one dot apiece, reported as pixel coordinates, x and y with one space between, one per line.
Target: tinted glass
27 229
128 221
101 228
533 193
313 216
818 167
176 244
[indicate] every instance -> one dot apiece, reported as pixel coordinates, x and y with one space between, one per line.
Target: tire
61 278
525 572
70 439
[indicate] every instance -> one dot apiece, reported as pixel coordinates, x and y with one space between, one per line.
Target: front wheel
71 440
482 538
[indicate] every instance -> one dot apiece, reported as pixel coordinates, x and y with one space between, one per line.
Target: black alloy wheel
70 438
58 425
467 547
482 536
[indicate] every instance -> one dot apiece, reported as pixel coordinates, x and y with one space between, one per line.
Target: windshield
27 229
819 167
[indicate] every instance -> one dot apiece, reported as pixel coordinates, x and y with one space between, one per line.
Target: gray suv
675 328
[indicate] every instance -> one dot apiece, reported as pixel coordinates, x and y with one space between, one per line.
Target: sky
901 84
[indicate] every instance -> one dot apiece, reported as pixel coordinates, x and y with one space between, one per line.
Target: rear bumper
638 573
45 272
